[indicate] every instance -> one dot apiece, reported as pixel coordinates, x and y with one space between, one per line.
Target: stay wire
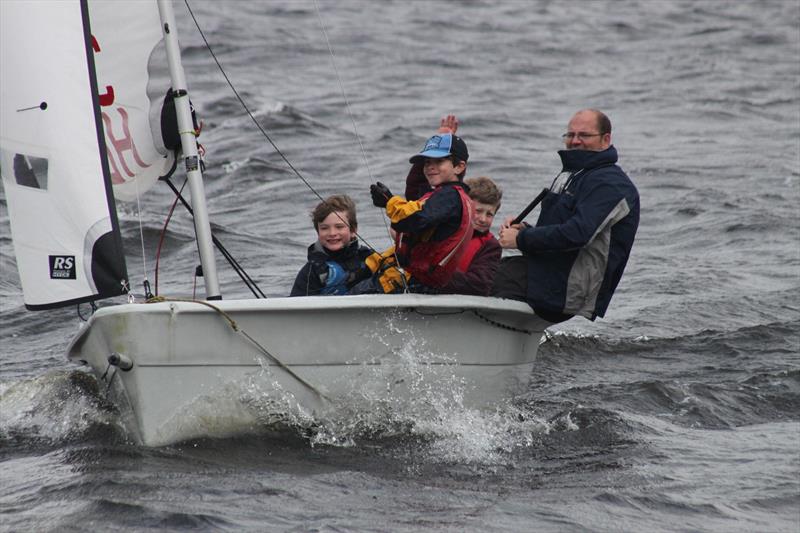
243 275
146 282
351 115
257 124
341 88
257 292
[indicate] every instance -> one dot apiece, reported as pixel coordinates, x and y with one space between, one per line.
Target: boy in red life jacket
481 258
431 232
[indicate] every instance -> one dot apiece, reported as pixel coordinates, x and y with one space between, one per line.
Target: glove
393 280
380 194
379 261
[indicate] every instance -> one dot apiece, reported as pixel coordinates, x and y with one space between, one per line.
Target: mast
202 227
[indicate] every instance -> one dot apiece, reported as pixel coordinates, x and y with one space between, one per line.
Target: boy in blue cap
432 231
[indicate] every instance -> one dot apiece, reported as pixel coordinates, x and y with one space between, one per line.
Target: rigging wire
245 277
231 260
257 124
355 132
146 283
341 88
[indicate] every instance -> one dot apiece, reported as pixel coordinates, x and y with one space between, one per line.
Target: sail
55 125
133 80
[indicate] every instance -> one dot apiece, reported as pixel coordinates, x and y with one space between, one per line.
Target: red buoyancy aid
434 262
471 248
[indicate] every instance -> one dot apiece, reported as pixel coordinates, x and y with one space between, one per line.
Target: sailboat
77 135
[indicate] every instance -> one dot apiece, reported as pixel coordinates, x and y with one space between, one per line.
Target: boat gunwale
315 303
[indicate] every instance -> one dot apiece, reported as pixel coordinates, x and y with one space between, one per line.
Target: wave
711 379
780 336
53 409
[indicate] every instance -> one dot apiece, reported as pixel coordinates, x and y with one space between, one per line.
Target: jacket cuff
398 208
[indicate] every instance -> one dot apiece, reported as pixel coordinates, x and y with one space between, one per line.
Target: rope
258 125
80 315
480 316
500 324
164 231
110 380
263 351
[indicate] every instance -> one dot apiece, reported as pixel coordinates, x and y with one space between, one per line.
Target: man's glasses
580 135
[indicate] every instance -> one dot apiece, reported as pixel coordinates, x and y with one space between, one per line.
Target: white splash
56 406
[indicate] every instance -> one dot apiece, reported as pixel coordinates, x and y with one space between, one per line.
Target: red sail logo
118 136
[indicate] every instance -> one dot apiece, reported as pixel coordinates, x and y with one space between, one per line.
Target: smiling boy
481 258
335 260
431 232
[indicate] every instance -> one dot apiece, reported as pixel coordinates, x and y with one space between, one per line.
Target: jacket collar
318 252
575 160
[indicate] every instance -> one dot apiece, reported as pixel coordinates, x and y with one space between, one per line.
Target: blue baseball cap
442 145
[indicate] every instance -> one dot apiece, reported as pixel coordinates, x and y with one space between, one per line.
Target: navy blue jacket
442 211
579 247
311 279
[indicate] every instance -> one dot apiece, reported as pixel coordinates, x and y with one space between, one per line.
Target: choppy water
678 412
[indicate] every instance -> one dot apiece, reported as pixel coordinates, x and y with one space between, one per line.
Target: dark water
680 411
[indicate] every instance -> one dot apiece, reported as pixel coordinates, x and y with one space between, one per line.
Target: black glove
380 194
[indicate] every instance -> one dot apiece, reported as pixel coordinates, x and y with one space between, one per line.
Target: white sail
132 80
50 158
73 70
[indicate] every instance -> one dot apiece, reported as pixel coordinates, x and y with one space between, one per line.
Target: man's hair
332 204
484 190
603 122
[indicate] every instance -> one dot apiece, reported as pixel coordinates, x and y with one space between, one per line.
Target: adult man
573 259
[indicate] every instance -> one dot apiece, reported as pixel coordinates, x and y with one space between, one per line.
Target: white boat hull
190 361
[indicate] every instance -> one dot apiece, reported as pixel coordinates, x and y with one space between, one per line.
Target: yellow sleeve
398 208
